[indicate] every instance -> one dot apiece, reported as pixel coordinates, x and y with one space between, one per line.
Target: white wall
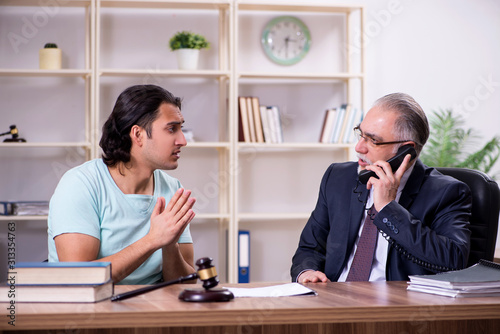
444 53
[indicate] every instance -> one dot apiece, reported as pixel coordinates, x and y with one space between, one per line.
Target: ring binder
243 256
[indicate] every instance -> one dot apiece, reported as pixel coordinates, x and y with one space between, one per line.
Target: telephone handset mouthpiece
395 162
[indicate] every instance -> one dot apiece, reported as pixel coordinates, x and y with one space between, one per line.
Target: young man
422 216
115 209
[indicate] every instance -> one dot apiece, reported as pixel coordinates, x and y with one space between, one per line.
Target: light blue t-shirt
87 200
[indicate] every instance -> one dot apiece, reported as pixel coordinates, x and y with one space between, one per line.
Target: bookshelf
274 208
269 189
65 140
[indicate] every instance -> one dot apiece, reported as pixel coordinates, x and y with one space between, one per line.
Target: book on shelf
275 125
479 280
251 120
61 272
24 208
56 293
259 132
266 127
344 127
327 129
244 134
258 123
338 124
355 118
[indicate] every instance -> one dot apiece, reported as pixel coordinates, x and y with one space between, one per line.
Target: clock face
286 40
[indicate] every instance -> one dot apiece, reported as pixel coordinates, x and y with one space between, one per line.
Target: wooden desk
361 307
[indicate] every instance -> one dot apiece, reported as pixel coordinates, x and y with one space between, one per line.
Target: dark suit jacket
427 229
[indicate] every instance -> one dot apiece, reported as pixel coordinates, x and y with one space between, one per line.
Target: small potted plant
187 46
50 57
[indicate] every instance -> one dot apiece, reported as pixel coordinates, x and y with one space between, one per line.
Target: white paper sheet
282 290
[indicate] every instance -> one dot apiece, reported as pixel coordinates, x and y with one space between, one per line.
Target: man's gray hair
411 123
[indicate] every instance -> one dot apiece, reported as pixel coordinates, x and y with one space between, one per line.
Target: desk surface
335 303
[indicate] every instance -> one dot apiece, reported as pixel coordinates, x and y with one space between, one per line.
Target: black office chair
485 211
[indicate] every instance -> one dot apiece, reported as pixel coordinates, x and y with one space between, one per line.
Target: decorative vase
187 59
50 59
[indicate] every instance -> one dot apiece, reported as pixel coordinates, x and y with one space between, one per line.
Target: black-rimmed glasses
359 134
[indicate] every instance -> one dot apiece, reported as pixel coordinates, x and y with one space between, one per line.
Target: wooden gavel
206 273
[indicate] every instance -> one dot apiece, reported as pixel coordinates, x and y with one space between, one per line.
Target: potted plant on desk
187 46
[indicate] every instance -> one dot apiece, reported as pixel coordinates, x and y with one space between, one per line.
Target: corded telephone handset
395 162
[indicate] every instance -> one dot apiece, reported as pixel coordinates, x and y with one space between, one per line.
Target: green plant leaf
449 144
188 40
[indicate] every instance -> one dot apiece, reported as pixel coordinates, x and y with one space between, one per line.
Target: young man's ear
136 134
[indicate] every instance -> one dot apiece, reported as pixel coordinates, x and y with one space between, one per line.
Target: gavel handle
148 288
12 131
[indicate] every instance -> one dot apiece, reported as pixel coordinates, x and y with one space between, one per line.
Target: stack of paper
479 280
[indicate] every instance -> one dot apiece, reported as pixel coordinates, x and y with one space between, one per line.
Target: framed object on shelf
286 40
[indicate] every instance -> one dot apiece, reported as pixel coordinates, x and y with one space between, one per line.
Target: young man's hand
168 223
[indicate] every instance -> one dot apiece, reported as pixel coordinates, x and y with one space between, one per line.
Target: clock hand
287 39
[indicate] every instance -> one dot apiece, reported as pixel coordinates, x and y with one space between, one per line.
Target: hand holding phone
395 162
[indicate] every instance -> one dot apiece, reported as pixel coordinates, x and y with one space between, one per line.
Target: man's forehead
171 112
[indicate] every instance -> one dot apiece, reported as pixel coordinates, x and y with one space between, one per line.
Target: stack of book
479 280
259 123
58 282
338 124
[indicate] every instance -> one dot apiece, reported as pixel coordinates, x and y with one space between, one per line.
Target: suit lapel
412 187
357 205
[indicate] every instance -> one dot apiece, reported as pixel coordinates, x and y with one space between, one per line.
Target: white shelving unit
30 21
336 85
52 109
238 185
114 70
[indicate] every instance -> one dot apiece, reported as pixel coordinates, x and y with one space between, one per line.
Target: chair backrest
485 211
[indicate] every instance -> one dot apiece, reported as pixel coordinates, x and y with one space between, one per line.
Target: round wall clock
286 40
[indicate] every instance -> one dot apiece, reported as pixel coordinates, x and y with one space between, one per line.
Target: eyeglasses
359 134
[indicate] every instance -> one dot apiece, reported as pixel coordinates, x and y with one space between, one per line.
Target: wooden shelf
211 216
282 6
168 73
300 77
292 146
20 218
47 144
37 3
273 216
208 145
45 73
172 4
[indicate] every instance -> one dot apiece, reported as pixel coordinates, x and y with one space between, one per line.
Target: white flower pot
187 59
50 59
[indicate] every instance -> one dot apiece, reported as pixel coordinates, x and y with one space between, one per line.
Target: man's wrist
303 271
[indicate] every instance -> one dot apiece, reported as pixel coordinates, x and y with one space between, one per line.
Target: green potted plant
187 46
50 57
450 145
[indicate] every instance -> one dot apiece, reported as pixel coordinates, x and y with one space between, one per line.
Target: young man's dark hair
136 105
